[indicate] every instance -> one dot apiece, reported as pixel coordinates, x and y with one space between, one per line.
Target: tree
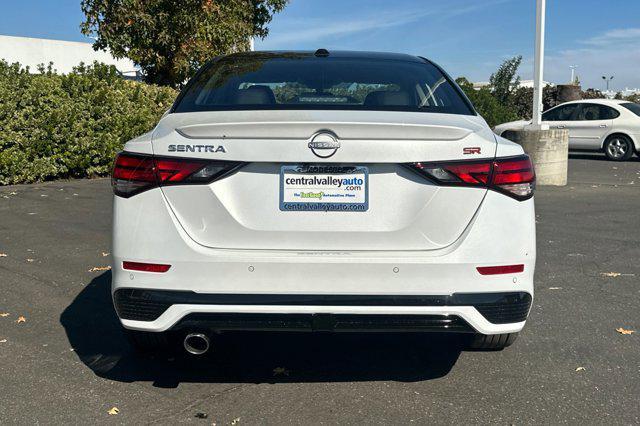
486 104
171 39
504 79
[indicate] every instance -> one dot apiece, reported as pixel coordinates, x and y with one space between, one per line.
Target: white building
523 83
64 54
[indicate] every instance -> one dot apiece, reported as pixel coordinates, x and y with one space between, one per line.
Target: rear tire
146 342
618 148
492 341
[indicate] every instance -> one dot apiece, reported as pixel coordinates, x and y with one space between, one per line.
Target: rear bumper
160 310
409 283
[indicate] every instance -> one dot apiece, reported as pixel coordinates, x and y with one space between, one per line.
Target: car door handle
603 125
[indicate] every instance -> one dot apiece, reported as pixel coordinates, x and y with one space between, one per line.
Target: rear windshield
302 81
633 107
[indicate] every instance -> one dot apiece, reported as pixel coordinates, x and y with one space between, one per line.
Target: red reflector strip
145 267
497 270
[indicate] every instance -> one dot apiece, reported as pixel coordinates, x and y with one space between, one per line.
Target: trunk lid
244 210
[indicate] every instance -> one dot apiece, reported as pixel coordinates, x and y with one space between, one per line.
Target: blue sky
466 37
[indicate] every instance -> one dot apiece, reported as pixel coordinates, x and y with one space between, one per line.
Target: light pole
536 123
573 73
607 80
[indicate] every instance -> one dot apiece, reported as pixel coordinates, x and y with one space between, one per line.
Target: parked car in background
326 191
608 125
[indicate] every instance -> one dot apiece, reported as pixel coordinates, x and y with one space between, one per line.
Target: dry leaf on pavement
99 268
623 331
235 421
3 254
105 254
580 369
21 319
4 314
3 341
113 411
29 260
610 274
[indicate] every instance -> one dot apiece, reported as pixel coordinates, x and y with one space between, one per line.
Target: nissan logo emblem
324 144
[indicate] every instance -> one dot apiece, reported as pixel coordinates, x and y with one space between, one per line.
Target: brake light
135 173
513 176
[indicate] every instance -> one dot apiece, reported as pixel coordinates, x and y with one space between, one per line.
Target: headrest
387 98
255 95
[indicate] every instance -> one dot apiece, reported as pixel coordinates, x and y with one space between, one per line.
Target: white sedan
608 125
322 191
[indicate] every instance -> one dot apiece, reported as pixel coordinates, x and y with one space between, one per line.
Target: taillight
513 176
135 173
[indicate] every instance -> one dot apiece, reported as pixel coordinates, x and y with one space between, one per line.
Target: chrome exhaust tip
196 343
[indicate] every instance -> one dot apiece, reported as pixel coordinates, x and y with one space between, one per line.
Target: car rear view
326 191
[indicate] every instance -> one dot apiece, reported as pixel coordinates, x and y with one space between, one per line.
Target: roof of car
334 54
603 101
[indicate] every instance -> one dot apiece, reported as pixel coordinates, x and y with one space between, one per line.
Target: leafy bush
56 126
486 104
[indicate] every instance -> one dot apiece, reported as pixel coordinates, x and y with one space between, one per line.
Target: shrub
57 126
486 104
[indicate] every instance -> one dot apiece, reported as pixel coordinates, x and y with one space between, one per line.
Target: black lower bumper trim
148 305
322 322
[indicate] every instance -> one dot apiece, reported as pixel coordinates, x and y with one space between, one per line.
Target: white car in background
608 125
326 191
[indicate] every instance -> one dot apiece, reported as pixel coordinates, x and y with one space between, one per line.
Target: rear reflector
513 176
497 270
145 267
135 173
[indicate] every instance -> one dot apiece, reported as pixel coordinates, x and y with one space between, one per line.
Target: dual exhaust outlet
196 343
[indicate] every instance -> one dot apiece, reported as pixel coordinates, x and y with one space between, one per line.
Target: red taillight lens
145 267
513 176
134 173
498 270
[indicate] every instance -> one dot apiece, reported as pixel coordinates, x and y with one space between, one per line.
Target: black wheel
145 342
492 341
618 148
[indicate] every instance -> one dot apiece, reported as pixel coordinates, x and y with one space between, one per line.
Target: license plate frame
325 182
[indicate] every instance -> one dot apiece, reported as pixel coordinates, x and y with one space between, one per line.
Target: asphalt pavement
64 358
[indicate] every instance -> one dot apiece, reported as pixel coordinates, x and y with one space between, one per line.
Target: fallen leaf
104 254
21 319
580 369
235 421
610 274
3 254
4 314
113 411
99 268
29 260
280 371
623 331
3 341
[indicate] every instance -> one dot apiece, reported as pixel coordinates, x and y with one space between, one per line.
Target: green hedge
57 126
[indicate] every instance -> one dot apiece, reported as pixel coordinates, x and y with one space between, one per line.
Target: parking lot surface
64 358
